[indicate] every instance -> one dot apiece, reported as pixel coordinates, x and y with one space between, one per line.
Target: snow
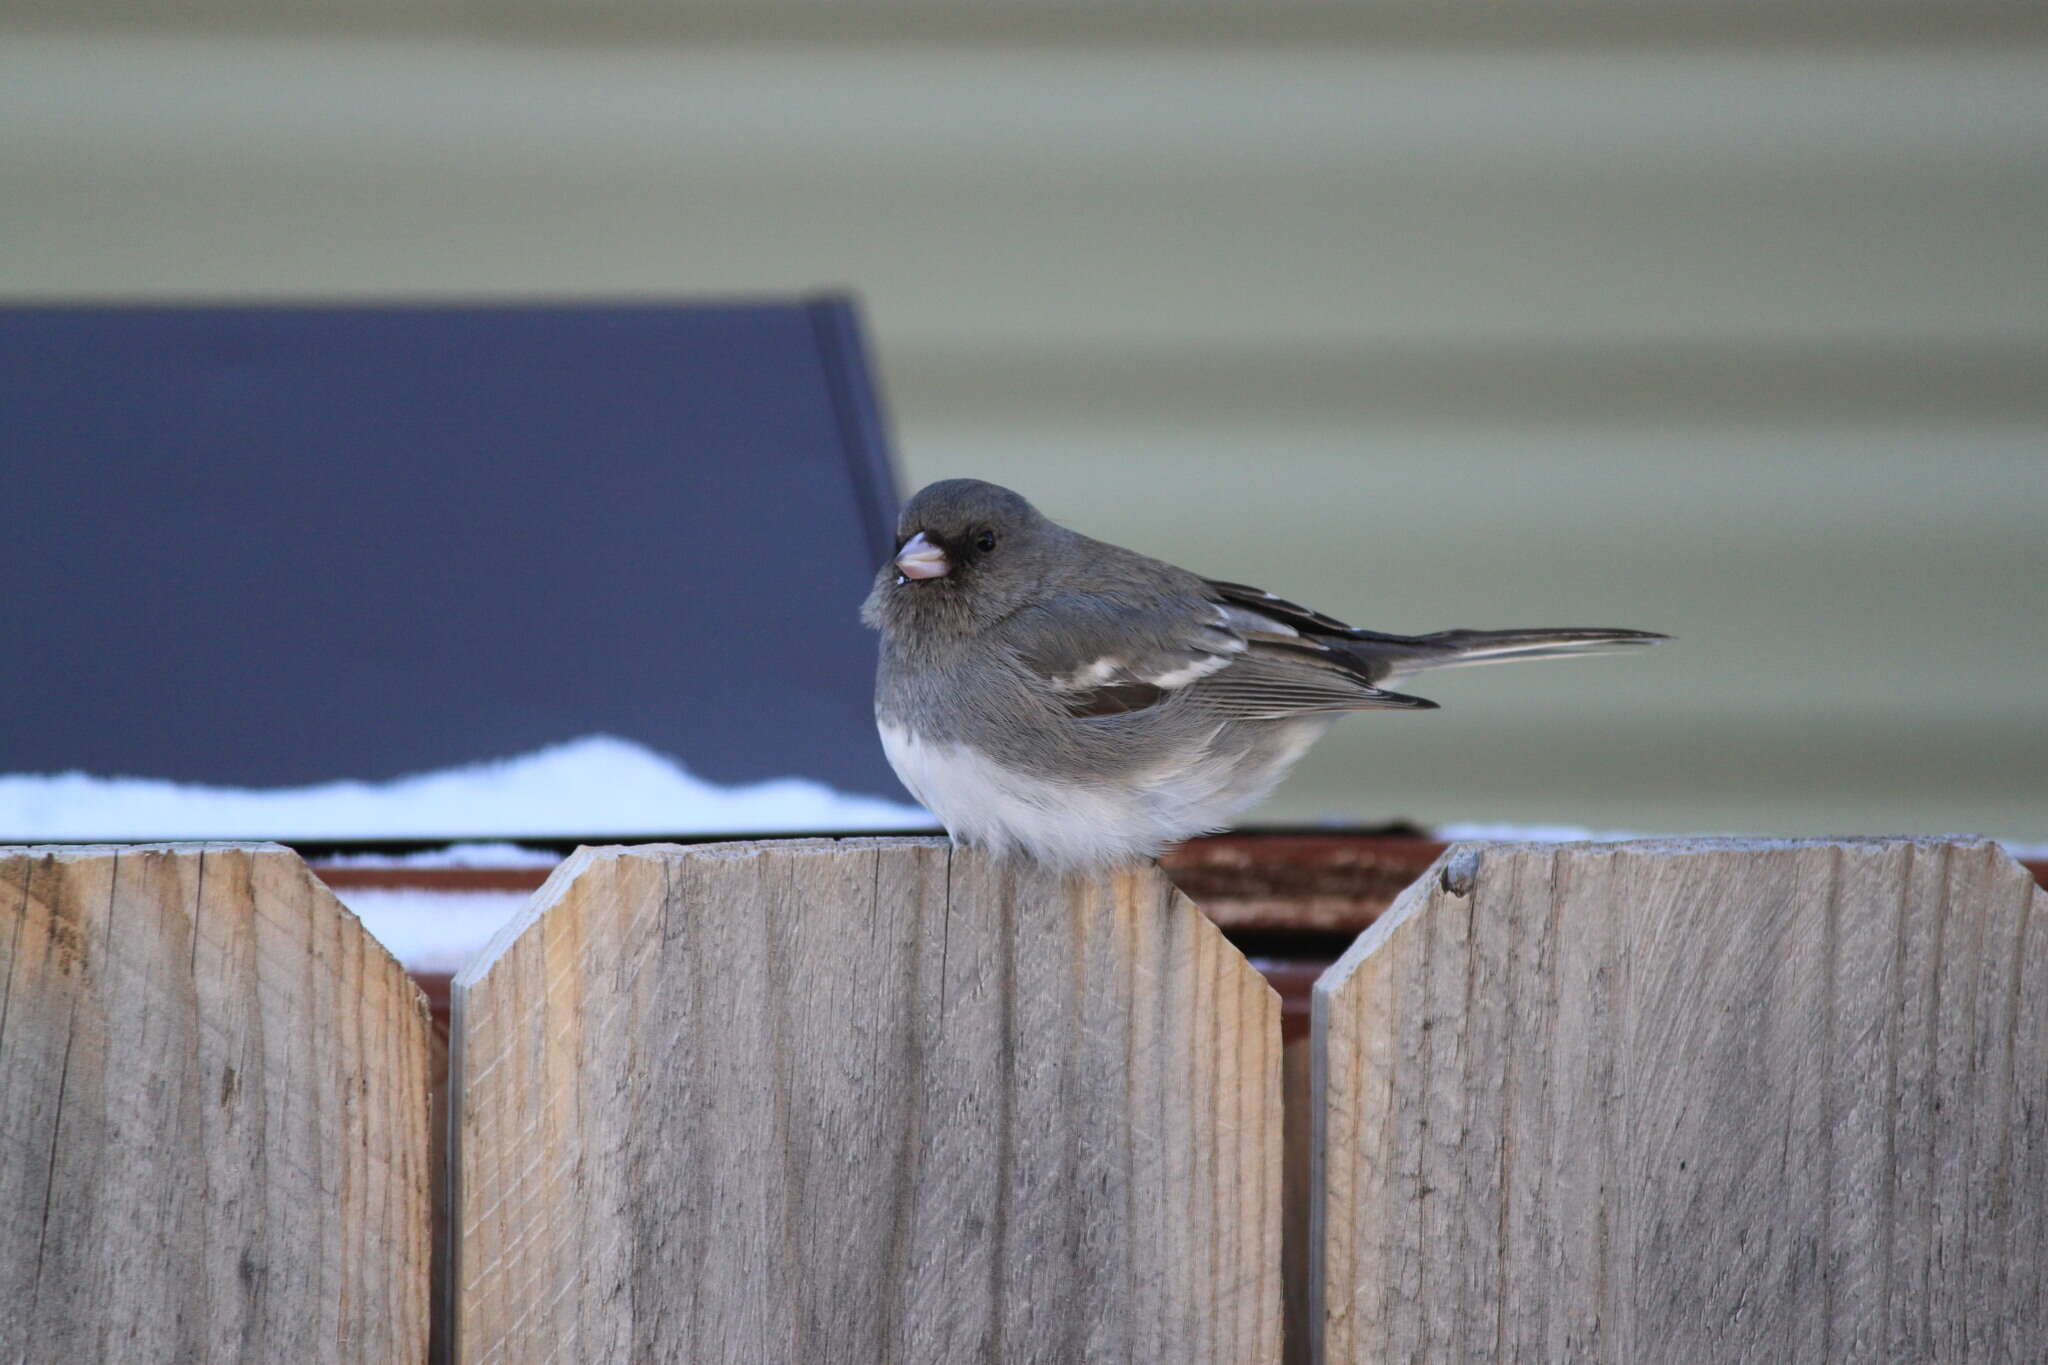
454 855
599 784
431 931
1471 832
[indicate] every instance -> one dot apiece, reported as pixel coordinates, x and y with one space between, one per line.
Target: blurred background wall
1724 319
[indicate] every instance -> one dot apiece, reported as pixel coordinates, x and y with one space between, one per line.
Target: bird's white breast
986 804
1086 824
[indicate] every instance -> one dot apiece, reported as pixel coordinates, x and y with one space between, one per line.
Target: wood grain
864 1101
1688 1100
214 1093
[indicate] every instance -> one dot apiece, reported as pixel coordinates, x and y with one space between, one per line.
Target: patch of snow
431 931
493 855
1476 832
599 784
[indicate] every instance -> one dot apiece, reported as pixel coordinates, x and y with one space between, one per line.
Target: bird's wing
1105 655
1291 615
1379 657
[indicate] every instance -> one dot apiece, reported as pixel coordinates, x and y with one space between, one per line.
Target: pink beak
919 558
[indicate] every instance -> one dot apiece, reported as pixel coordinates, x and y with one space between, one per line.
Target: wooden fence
880 1101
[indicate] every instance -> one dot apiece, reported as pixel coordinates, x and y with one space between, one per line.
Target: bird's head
968 553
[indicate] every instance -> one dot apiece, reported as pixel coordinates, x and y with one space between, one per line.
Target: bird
1057 698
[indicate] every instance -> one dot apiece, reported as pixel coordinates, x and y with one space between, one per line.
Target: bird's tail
1403 654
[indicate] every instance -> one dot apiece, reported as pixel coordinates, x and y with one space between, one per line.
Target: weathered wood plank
860 1101
214 1100
1701 1100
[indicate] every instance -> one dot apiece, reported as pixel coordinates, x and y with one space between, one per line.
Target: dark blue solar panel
277 545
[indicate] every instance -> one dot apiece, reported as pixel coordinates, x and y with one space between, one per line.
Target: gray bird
1083 705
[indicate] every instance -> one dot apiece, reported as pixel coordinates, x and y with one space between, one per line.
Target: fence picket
863 1101
1687 1100
214 1091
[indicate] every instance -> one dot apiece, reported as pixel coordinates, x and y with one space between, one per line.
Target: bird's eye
985 542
